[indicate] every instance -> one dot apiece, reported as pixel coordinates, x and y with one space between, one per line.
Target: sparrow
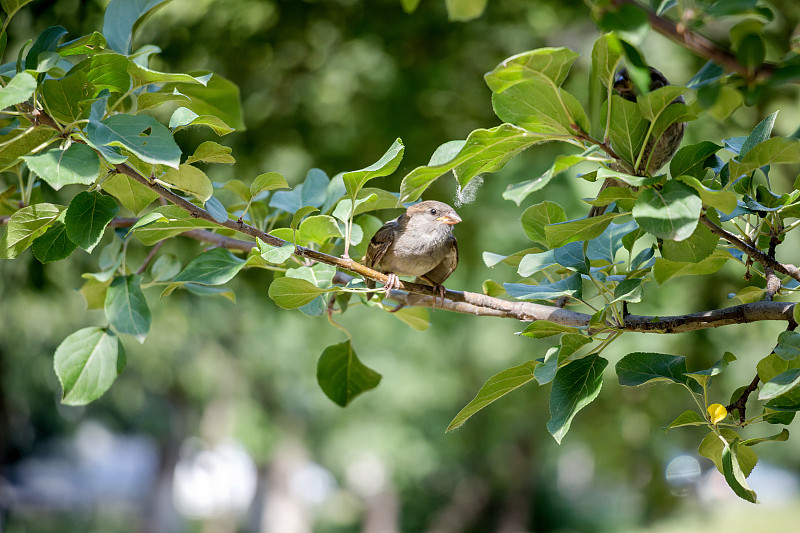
420 243
657 152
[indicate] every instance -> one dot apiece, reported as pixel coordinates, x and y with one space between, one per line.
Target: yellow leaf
716 412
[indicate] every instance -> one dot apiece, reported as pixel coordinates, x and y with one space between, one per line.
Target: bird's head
433 213
625 87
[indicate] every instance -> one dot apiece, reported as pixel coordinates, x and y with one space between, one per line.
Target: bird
657 152
419 243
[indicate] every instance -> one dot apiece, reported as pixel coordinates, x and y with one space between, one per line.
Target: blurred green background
217 424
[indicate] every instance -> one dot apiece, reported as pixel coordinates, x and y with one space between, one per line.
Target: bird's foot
442 291
392 283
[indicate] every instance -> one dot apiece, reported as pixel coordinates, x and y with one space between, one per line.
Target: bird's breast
415 255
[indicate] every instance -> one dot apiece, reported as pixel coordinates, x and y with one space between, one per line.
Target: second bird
657 152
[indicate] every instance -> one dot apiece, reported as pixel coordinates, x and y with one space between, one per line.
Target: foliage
79 142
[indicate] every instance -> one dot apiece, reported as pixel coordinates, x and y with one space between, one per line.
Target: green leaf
545 371
552 64
703 377
773 151
66 98
156 230
606 56
699 246
213 267
687 418
144 136
725 201
529 265
76 164
216 209
86 45
105 71
690 160
87 216
638 368
605 246
788 347
126 307
145 76
732 470
759 134
291 293
275 254
571 343
341 375
571 256
495 387
628 290
211 152
87 363
780 384
165 268
783 436
751 51
570 286
417 318
300 214
652 104
45 43
627 128
713 446
484 151
669 213
535 218
26 225
464 10
575 386
635 181
131 194
12 6
538 106
54 245
517 192
267 182
184 117
665 269
19 89
582 229
319 229
218 98
122 16
355 180
189 179
542 328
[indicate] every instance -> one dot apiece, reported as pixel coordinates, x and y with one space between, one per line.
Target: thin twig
754 253
696 43
153 251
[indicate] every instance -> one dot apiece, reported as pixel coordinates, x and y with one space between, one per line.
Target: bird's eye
434 212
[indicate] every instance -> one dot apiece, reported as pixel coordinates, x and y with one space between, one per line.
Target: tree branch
698 44
753 253
482 305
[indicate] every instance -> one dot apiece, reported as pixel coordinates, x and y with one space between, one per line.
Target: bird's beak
449 219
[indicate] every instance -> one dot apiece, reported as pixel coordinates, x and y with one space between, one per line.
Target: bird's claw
392 283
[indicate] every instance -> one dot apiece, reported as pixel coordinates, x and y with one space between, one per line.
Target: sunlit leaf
87 363
495 387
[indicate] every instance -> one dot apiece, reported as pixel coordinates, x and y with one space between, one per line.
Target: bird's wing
442 271
380 242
